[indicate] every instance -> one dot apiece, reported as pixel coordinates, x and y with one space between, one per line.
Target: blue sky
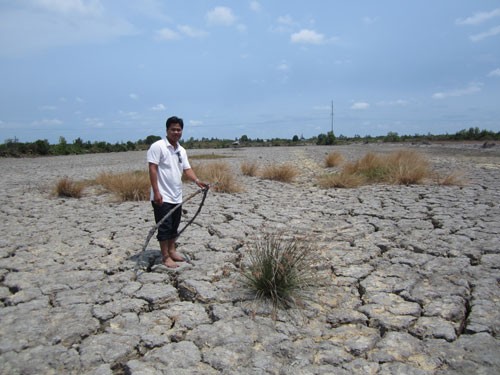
114 70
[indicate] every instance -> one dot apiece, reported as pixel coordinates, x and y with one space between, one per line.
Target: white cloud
49 23
494 73
133 96
221 16
158 107
255 6
491 32
195 122
369 20
47 108
285 24
471 89
360 106
94 122
306 36
91 7
284 67
393 103
167 34
79 100
478 18
47 122
130 114
191 31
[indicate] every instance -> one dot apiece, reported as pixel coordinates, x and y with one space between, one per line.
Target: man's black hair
175 120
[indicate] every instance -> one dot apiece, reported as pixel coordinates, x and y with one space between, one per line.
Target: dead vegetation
279 172
219 175
397 168
333 159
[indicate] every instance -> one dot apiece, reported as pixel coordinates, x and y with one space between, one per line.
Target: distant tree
42 147
62 147
150 139
391 137
295 138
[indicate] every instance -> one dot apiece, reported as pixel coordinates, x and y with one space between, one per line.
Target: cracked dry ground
409 274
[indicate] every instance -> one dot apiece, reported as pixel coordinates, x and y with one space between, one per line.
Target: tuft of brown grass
68 188
333 159
371 167
207 157
399 168
283 172
340 180
249 168
127 186
219 175
454 178
407 168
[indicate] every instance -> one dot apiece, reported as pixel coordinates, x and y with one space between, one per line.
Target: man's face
174 133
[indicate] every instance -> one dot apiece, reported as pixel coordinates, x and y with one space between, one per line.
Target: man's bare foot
177 257
170 263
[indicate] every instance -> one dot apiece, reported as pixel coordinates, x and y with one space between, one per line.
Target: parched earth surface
409 275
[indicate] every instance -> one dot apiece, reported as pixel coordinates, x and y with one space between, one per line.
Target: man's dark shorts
168 229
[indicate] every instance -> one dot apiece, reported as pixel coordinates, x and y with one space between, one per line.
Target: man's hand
201 185
158 199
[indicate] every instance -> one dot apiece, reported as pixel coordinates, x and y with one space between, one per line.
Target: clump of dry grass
68 188
340 180
407 168
283 172
333 159
399 168
249 168
280 270
454 178
207 157
219 175
127 186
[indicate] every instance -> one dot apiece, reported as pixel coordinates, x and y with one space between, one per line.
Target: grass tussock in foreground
280 270
281 172
219 175
67 188
398 168
127 186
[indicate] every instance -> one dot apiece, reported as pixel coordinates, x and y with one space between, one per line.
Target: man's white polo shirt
171 163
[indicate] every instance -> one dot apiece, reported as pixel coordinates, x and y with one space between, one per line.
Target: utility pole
332 117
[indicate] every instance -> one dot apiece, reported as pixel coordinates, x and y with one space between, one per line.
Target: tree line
14 148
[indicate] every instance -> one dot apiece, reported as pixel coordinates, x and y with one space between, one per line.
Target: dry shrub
249 168
127 186
340 180
333 159
66 187
280 269
282 172
220 176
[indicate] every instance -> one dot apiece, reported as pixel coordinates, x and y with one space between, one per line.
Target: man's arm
192 176
153 178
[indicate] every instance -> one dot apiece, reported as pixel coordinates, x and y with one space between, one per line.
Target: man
167 161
